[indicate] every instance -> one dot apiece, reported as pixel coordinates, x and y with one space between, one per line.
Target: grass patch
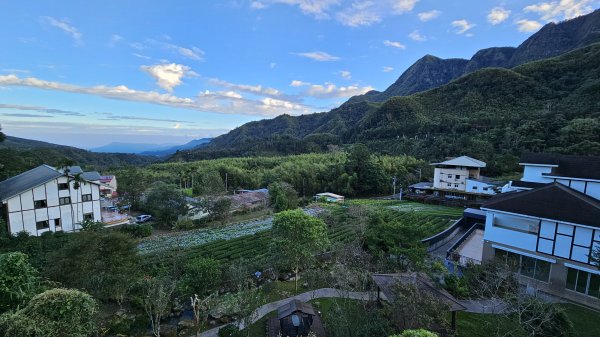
585 321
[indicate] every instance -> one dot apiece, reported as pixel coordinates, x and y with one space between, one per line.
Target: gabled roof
462 161
27 180
583 167
293 306
91 176
553 201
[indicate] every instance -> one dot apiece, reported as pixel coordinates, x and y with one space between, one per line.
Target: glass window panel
582 280
594 289
527 266
542 270
571 278
512 260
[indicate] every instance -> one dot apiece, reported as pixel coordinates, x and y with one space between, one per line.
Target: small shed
330 197
296 319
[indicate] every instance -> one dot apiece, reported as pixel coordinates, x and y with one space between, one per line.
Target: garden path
304 297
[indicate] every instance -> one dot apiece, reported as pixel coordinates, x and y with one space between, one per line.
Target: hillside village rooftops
553 201
462 161
106 179
91 176
27 180
584 167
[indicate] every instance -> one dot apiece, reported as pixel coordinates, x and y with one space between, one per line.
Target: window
42 225
457 177
474 187
40 204
449 185
449 176
86 197
63 186
525 265
455 185
88 216
485 188
64 201
57 224
583 282
516 223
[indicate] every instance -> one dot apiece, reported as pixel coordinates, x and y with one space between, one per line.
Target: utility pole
419 170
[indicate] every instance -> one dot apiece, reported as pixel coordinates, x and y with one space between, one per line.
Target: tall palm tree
77 180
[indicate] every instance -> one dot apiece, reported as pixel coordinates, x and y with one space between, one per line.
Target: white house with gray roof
45 199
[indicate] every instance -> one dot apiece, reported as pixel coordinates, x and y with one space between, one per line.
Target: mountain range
500 102
159 150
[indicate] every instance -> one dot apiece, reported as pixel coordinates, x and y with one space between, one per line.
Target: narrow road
304 297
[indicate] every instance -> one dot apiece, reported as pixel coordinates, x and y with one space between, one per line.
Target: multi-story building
580 173
108 185
549 227
45 199
457 178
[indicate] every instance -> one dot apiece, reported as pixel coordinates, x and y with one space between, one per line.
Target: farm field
251 239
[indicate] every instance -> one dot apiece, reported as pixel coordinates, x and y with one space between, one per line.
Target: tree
2 136
247 299
416 333
296 238
201 307
541 319
414 308
283 196
200 276
209 184
132 184
53 313
166 202
19 281
156 297
103 263
218 208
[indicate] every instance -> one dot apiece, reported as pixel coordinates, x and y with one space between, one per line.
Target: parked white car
143 218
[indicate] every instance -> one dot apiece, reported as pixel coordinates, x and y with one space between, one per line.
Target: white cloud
402 6
320 56
272 65
498 15
558 10
359 14
527 26
297 83
394 44
65 27
141 56
114 39
257 5
220 102
193 53
253 89
168 76
462 26
346 74
430 15
330 90
316 8
387 69
415 35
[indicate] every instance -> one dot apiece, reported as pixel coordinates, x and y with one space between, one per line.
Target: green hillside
18 155
493 114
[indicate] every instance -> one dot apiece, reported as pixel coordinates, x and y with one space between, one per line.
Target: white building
44 199
548 227
108 185
580 173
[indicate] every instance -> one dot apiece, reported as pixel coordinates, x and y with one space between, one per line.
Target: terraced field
253 242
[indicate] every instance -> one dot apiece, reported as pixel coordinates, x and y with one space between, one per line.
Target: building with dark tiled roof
548 234
45 199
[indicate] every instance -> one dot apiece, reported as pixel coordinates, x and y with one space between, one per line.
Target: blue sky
90 73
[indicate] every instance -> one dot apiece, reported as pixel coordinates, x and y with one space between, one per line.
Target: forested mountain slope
493 114
552 40
19 154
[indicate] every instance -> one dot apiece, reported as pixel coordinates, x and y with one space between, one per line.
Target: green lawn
586 323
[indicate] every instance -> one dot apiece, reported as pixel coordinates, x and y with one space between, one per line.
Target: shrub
229 331
53 313
137 231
